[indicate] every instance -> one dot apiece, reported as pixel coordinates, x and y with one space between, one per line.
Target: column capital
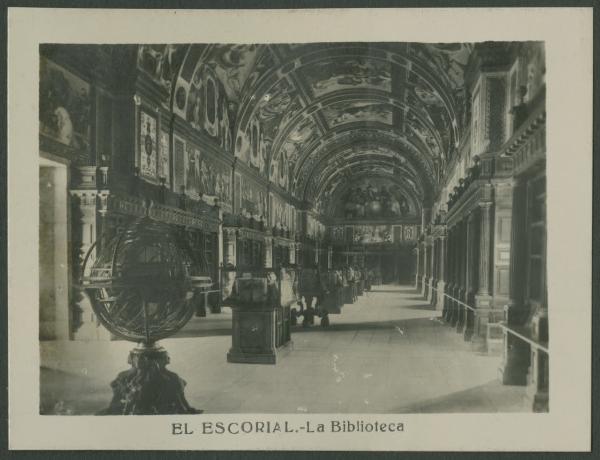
229 232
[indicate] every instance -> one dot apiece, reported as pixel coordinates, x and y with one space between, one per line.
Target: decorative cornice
136 207
250 234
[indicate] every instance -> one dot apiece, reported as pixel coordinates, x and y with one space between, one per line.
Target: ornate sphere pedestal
142 286
148 388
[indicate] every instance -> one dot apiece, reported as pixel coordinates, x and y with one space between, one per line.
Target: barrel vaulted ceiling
315 117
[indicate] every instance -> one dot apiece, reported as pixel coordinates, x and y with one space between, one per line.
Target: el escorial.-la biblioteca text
285 427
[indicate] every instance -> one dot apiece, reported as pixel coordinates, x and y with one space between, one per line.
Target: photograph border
258 5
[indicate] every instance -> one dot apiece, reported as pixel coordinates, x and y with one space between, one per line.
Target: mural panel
325 77
179 165
206 176
252 148
253 198
338 233
164 163
374 198
411 232
281 213
193 182
148 145
372 234
357 111
369 234
219 182
64 106
314 228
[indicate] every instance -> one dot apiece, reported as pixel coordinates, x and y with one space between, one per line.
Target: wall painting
148 145
64 106
164 158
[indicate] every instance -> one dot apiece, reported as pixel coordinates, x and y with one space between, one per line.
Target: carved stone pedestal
253 339
148 388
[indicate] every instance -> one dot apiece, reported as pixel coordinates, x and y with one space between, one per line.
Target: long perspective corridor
290 228
389 353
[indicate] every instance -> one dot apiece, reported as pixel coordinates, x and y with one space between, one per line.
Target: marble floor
387 353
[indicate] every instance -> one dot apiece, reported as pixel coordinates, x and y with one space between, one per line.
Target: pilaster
229 246
483 298
424 273
85 228
431 269
417 266
268 252
441 284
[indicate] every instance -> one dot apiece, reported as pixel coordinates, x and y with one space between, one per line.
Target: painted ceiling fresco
265 61
357 111
276 108
161 62
374 198
452 59
289 105
304 133
233 64
326 77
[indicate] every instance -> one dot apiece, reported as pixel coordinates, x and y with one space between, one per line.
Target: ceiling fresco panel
335 75
277 107
233 64
343 112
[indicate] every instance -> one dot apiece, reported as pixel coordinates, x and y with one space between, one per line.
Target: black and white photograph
342 227
401 178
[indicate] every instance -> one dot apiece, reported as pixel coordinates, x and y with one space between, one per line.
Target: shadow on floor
422 307
417 299
394 291
65 393
373 325
191 332
492 393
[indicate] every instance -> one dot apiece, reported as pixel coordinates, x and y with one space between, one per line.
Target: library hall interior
298 228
